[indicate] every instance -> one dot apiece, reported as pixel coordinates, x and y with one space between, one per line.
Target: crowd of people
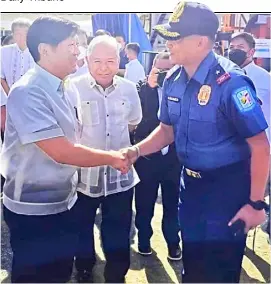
84 128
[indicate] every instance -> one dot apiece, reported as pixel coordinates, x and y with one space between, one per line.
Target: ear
251 52
43 49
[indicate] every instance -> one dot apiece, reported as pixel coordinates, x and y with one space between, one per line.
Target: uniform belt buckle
192 173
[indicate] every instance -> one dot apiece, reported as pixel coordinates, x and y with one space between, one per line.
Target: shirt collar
251 64
18 49
93 83
54 81
204 68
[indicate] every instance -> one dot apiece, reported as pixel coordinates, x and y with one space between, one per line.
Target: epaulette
174 70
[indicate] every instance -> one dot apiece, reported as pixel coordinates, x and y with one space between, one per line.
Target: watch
258 205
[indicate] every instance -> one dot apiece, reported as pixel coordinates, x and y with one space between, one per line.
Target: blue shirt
212 114
37 109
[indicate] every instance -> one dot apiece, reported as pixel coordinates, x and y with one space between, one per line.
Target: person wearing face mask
242 49
161 168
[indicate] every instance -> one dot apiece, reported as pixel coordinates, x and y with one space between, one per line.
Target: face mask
238 56
161 77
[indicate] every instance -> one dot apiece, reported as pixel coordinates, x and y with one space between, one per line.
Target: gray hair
103 40
20 22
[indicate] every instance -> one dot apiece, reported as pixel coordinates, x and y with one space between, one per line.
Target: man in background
123 57
134 71
242 50
161 168
15 58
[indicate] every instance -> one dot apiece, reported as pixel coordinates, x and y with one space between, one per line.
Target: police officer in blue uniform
211 111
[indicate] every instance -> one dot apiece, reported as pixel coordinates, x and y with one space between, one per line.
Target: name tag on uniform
173 99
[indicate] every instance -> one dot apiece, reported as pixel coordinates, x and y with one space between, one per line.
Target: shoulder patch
244 99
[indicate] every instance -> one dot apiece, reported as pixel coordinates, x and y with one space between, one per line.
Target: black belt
218 171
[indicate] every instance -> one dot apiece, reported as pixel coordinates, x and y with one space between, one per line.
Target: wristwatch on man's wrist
258 205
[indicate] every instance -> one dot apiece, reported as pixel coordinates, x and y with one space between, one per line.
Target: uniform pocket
174 110
90 113
203 126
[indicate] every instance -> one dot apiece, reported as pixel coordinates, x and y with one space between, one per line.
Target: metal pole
130 27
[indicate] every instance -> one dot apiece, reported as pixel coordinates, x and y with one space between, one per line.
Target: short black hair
102 32
49 30
20 22
119 35
247 37
134 46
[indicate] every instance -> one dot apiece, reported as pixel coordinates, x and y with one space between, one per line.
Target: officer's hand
152 78
250 216
131 154
120 161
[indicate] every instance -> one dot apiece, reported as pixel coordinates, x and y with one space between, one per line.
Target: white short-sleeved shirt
262 81
15 63
134 71
37 109
106 115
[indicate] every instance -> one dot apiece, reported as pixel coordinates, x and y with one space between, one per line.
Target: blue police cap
189 18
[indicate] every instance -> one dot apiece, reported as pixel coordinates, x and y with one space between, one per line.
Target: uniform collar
93 83
204 68
250 65
54 81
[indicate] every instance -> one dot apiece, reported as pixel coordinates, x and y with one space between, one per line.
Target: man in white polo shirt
134 71
242 49
15 58
110 106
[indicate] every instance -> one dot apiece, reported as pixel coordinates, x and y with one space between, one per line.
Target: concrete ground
156 268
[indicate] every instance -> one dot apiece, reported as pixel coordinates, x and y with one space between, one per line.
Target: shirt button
107 115
107 134
105 174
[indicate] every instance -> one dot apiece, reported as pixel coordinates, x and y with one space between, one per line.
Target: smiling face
103 64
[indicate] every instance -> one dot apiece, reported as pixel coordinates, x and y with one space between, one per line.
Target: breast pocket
203 125
174 110
122 112
90 113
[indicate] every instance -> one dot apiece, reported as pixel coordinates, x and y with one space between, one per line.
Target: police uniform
212 115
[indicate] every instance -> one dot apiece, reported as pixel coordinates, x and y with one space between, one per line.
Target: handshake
123 159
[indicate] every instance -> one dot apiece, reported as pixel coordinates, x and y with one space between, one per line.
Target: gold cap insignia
175 16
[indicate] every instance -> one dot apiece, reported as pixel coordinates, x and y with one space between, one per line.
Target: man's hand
120 161
131 153
153 77
250 216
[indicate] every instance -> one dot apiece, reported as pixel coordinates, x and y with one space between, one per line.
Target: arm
4 85
161 136
3 117
260 150
64 152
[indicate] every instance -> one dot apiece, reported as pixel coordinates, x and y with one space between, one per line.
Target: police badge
204 95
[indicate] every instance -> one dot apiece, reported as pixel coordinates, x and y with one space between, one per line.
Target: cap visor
165 32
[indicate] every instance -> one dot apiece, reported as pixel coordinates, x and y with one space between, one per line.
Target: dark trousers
115 234
43 246
155 170
211 253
